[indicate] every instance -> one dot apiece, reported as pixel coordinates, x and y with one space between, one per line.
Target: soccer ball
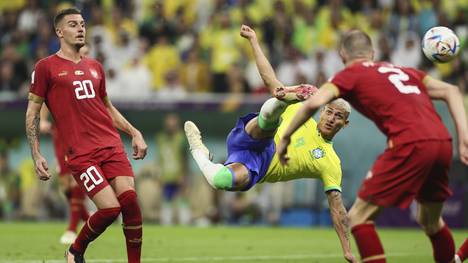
440 44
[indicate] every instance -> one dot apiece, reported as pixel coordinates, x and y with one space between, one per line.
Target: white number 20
84 89
397 77
91 178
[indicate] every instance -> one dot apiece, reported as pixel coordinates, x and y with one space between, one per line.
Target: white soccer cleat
457 259
68 237
194 139
295 93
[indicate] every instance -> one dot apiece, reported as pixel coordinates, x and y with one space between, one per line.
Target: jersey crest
317 153
94 73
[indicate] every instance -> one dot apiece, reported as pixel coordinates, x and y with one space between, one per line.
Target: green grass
38 242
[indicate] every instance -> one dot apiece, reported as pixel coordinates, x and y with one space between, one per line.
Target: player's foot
295 93
74 257
68 237
194 139
457 259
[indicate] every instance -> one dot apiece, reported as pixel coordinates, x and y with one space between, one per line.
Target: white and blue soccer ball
440 44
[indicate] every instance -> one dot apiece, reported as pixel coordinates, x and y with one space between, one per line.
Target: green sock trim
223 179
268 125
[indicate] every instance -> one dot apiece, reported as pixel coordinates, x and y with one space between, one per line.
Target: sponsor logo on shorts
317 153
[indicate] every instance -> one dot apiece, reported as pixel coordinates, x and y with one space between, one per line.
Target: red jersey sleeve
102 89
40 80
345 80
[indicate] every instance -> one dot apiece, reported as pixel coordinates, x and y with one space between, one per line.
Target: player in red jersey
73 88
415 165
75 196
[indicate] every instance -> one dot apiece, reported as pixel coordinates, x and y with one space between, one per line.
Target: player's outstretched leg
217 175
462 253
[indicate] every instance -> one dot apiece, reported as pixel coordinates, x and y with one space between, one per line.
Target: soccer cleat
68 237
295 93
194 139
74 257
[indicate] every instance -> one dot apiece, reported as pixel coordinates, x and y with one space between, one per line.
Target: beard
79 45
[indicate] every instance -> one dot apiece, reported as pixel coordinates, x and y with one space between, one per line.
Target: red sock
132 225
443 246
95 225
463 250
76 206
80 195
368 243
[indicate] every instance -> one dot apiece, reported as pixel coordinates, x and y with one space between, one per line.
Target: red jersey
74 94
395 98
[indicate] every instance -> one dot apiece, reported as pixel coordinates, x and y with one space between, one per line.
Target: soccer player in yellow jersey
251 145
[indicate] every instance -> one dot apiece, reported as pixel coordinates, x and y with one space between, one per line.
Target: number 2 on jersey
396 77
91 178
84 89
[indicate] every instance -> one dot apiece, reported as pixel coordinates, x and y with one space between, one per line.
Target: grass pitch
38 242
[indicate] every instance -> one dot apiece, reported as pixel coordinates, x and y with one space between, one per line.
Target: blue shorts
254 154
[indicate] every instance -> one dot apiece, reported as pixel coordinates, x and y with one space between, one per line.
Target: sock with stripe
95 225
368 243
132 225
443 246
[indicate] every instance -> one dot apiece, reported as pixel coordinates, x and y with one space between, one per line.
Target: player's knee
356 217
131 213
430 227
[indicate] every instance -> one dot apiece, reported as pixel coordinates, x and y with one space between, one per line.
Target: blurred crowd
174 48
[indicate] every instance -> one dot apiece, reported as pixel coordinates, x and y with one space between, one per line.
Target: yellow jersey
310 155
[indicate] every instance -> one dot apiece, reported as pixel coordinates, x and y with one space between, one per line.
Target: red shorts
94 171
59 149
414 170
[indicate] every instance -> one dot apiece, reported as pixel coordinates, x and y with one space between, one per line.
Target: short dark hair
62 13
357 44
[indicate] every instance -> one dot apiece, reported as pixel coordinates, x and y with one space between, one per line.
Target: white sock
207 167
270 113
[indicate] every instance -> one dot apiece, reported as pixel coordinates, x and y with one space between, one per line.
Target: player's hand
248 32
139 147
282 150
463 149
350 257
41 167
45 127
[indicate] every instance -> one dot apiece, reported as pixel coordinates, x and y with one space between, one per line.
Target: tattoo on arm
32 132
339 216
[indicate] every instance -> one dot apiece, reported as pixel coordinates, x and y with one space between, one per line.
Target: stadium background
185 58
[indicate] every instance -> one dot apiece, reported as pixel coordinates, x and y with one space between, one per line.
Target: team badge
318 153
93 73
79 72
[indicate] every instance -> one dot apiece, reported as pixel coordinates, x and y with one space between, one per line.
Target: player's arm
119 121
325 94
440 90
340 222
33 117
44 124
263 65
